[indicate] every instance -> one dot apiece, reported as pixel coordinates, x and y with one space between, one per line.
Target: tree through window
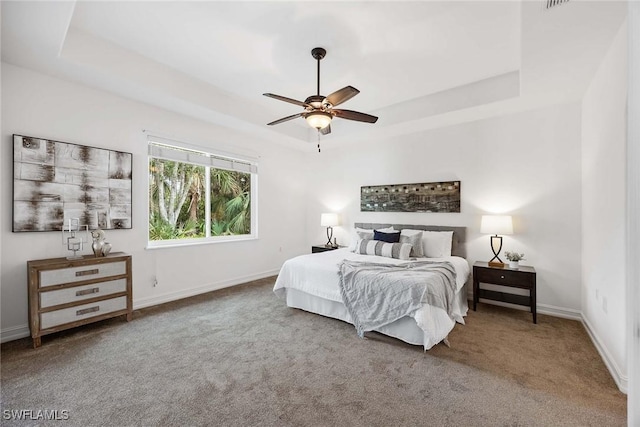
198 195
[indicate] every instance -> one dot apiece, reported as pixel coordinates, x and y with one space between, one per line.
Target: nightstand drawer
505 277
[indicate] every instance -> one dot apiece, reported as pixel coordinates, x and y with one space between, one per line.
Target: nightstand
322 248
522 278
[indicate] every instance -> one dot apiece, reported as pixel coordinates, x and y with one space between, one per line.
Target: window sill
180 243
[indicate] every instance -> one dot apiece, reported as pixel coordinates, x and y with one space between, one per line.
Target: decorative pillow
365 233
414 238
377 247
386 237
437 244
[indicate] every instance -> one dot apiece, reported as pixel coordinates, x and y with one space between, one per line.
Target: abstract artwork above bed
54 181
423 197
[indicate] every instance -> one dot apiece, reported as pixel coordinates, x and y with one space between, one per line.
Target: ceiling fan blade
342 95
326 130
354 115
285 119
285 99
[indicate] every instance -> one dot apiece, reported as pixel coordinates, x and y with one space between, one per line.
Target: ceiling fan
319 110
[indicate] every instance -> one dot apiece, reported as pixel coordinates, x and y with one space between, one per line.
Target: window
197 196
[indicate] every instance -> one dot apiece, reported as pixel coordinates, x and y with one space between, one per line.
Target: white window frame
167 149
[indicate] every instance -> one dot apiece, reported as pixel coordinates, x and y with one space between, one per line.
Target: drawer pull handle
87 310
87 272
87 292
502 277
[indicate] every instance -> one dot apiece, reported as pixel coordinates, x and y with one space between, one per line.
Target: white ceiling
417 64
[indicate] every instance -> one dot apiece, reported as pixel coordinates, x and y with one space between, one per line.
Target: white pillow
414 238
365 234
389 250
437 244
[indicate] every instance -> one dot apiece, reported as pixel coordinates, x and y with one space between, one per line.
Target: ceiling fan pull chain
318 140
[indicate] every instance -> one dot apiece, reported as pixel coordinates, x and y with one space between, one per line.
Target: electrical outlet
604 304
155 282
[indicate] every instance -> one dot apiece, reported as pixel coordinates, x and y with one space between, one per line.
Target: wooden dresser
66 293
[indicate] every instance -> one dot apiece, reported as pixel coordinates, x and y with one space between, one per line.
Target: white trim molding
620 379
14 333
565 313
173 296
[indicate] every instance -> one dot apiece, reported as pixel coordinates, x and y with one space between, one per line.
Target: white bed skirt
405 329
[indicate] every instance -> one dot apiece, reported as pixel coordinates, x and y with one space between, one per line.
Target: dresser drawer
86 272
79 293
81 312
504 277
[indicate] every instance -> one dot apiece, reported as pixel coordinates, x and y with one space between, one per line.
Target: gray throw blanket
378 294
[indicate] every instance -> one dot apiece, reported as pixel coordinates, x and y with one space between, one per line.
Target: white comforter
317 275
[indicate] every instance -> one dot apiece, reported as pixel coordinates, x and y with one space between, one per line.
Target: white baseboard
550 310
621 380
565 313
173 296
22 331
14 333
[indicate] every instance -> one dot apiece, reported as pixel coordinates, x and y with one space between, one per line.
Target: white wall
604 205
633 215
37 105
525 164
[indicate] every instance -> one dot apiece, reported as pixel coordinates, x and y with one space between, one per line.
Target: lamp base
496 264
329 237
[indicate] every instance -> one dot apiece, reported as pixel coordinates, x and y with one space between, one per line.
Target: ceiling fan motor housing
317 102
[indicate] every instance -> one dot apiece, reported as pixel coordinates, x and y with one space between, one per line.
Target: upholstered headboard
459 234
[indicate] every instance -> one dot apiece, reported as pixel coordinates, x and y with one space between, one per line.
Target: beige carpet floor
240 357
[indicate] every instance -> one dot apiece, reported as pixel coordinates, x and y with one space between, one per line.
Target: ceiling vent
553 3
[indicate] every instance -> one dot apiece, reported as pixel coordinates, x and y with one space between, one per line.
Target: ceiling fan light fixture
318 119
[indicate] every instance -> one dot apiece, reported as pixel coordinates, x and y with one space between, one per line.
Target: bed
312 283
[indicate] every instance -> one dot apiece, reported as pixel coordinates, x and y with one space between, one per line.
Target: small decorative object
72 236
98 243
514 259
423 197
496 224
106 248
335 242
329 220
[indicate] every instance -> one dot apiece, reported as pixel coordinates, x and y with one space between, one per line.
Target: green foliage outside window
178 196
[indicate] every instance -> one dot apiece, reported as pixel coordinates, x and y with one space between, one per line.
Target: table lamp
496 224
329 220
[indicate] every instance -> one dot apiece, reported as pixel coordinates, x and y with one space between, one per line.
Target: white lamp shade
318 119
496 224
329 219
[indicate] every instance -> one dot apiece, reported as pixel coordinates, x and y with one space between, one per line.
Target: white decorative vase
514 264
